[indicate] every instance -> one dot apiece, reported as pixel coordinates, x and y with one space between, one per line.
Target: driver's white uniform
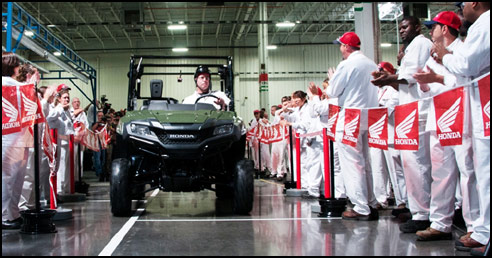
209 100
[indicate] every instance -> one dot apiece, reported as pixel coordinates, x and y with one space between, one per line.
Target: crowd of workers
430 183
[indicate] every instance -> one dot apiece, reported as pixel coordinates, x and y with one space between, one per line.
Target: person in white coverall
278 148
351 84
388 97
320 103
60 119
296 114
266 160
28 74
448 162
78 116
473 60
416 164
253 142
15 152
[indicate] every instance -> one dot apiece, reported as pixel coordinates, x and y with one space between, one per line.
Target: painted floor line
116 240
233 220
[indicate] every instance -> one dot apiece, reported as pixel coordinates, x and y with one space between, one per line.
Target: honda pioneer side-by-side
179 147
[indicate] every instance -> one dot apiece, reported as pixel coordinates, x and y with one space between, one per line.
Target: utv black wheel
120 193
243 187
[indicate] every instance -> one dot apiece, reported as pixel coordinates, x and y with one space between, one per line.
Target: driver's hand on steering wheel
220 102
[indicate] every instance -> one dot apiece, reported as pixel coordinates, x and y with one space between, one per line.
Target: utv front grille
175 138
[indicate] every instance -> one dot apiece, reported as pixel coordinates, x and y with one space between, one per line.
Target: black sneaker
12 224
396 212
412 226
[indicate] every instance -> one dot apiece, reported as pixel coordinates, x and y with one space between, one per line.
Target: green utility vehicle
179 147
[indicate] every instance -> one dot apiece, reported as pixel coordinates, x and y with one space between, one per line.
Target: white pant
266 160
14 166
278 161
62 166
254 151
314 160
357 175
481 227
379 176
417 170
339 185
76 171
447 164
397 178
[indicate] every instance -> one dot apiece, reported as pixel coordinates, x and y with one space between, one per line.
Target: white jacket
209 100
61 120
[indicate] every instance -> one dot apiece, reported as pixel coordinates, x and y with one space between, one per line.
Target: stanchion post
326 154
53 178
72 163
298 157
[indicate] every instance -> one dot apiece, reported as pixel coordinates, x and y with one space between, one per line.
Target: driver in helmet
204 87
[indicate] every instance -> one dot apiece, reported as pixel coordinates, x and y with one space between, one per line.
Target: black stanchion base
38 222
289 185
332 207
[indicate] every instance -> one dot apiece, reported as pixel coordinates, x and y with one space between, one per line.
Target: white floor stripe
116 240
232 220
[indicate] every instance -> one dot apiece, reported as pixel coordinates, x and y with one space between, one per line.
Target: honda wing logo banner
484 89
378 128
351 129
407 127
332 121
449 117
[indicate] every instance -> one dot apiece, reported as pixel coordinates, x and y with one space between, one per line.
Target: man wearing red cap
351 84
446 160
474 60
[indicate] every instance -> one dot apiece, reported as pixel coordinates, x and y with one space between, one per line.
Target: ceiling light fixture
285 24
385 44
180 49
28 33
177 27
271 47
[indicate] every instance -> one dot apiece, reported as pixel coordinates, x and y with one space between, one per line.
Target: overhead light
28 33
57 53
51 26
180 49
177 27
385 44
271 47
285 24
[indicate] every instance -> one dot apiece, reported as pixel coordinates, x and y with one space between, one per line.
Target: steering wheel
204 96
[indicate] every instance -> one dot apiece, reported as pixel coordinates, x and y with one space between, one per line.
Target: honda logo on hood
182 136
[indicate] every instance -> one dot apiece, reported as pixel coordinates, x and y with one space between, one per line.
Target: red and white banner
378 128
332 121
103 137
31 107
449 117
351 128
90 140
80 131
251 133
11 117
484 88
407 126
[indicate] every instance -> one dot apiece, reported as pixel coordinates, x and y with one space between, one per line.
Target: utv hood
179 117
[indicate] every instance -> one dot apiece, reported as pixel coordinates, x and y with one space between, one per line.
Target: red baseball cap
387 66
348 38
62 86
320 92
256 111
448 18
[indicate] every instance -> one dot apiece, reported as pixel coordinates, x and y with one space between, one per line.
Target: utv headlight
140 130
119 128
223 129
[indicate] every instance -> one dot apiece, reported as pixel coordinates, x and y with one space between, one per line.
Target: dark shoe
466 244
478 251
431 234
353 215
280 178
412 226
396 212
12 224
465 236
273 175
404 217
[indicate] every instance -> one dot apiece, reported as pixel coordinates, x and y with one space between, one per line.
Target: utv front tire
120 193
243 187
